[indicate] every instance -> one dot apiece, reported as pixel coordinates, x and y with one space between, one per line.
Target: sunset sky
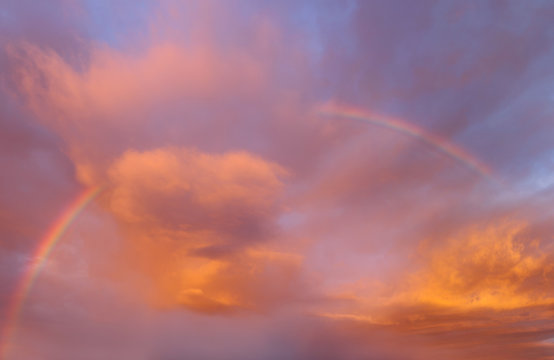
271 180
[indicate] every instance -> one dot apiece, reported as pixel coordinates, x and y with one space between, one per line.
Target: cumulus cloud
196 222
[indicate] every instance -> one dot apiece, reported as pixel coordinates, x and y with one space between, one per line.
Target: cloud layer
237 222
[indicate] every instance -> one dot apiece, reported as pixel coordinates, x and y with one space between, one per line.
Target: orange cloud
498 267
482 286
211 182
198 226
501 266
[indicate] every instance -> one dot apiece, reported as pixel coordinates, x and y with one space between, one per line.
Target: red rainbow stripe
445 146
41 253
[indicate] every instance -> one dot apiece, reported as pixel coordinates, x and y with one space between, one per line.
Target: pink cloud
237 223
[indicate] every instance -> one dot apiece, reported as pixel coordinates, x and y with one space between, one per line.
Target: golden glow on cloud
497 267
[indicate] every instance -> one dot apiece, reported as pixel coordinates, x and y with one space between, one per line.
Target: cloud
469 294
500 267
234 188
237 223
100 105
198 226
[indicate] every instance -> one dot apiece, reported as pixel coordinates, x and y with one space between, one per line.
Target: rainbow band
44 249
404 127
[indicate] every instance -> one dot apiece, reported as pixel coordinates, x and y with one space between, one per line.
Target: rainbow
443 145
41 253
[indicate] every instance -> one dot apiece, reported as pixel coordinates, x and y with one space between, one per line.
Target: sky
276 180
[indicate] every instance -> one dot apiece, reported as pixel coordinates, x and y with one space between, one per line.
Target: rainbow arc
443 145
43 250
